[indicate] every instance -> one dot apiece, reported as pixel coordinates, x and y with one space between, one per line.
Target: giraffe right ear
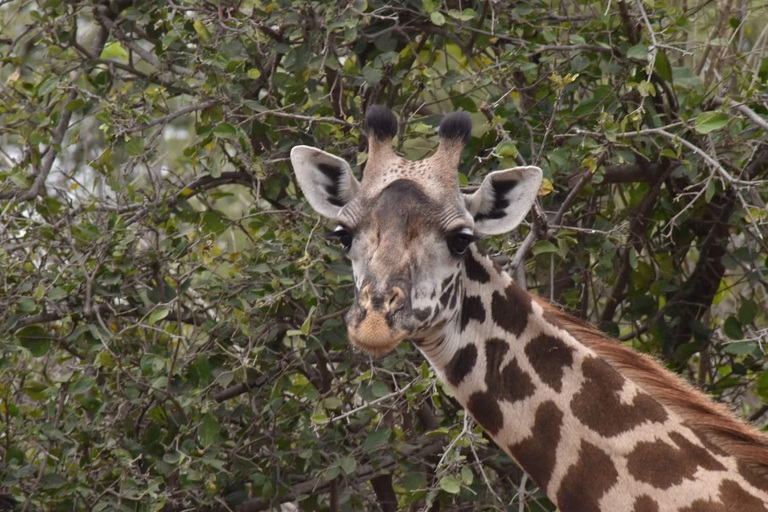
325 179
503 200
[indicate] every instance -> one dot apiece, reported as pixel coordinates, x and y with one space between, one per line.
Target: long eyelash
337 232
469 236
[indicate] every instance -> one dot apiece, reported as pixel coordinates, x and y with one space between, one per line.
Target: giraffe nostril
396 299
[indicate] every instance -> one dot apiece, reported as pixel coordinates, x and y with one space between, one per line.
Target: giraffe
596 425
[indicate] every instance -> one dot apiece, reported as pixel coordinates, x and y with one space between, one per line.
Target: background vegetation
171 323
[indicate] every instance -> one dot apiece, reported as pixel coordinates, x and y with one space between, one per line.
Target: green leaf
75 104
151 364
450 484
639 51
319 417
762 385
213 223
709 193
83 385
543 247
35 339
372 75
158 315
173 457
430 6
732 328
348 464
710 121
379 389
413 481
135 146
199 371
506 149
663 67
225 131
465 15
47 85
255 106
53 481
26 305
308 321
208 431
684 77
740 348
467 477
646 89
748 311
375 439
332 402
437 18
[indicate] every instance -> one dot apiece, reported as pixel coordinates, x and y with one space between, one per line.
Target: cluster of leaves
171 325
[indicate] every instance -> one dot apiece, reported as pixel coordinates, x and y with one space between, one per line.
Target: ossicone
456 127
380 123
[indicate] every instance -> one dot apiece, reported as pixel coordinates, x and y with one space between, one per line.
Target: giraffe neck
590 437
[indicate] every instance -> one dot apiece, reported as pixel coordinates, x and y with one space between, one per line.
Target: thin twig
370 404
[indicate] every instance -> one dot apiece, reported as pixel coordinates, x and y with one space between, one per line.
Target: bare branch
314 486
744 109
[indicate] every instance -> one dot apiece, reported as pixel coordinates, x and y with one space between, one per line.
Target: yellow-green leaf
450 484
202 31
437 18
114 50
546 187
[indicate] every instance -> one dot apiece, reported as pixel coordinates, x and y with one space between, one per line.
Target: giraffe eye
459 242
342 235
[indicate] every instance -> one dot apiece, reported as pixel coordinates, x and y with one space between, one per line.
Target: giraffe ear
326 180
503 200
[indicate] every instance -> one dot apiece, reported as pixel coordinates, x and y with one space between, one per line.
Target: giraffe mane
715 421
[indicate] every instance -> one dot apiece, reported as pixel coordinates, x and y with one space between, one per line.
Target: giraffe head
407 227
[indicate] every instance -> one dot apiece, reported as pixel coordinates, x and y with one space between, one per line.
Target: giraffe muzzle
374 324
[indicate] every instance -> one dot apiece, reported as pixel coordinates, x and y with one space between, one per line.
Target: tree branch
744 109
637 228
364 472
175 114
58 136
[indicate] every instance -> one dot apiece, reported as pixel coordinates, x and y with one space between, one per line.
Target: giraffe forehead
403 208
436 176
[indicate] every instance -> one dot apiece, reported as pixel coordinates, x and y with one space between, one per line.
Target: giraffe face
406 251
406 228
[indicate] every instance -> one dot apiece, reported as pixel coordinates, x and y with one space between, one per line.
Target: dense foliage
170 320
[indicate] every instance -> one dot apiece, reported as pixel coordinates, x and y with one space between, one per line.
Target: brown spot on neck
509 383
471 309
510 311
645 503
550 357
713 420
587 480
733 498
536 453
598 404
663 465
462 362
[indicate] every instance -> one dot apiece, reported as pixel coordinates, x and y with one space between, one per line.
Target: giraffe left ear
326 180
503 200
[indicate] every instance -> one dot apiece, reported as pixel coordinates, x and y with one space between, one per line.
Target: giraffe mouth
374 335
375 350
